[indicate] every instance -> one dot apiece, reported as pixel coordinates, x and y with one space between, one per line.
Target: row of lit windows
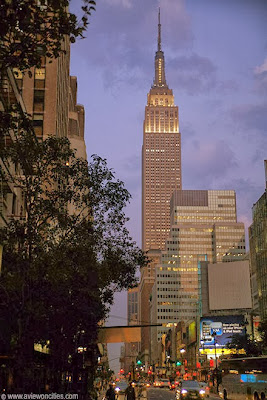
205 211
178 269
39 100
177 275
176 296
151 111
157 138
207 218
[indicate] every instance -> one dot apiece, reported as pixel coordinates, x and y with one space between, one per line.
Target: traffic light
139 362
178 363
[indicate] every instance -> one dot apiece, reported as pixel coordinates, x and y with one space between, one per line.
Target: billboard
192 332
119 334
220 329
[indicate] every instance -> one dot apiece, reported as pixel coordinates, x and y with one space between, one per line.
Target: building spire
159 32
160 80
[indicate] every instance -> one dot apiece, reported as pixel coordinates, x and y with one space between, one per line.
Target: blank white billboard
229 285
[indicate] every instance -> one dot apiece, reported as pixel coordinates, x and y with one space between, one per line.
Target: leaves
63 261
33 29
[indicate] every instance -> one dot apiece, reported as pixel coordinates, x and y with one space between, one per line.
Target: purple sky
216 64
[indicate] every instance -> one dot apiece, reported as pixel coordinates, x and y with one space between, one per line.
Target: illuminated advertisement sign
192 332
220 330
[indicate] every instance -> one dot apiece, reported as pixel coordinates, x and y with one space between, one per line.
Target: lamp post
182 351
214 334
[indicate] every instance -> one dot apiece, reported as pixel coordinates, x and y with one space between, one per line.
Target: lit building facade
161 175
76 121
46 94
161 157
131 349
204 228
12 203
258 249
145 288
49 96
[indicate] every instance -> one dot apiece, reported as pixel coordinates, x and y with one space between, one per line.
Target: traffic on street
165 394
185 389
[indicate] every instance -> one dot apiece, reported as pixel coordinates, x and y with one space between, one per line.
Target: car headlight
202 392
117 389
184 391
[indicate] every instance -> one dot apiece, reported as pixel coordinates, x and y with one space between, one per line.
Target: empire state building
161 157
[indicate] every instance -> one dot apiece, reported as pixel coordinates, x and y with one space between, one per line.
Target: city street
165 394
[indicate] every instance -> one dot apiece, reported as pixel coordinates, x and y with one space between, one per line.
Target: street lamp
214 334
182 351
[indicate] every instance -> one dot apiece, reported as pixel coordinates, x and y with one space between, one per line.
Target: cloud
176 25
250 124
261 68
193 73
206 162
260 75
247 193
187 131
124 39
122 3
251 117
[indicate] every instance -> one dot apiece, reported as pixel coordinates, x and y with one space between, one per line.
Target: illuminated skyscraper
161 176
161 157
258 252
204 227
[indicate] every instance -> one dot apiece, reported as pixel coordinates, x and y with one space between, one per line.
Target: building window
39 78
38 101
38 120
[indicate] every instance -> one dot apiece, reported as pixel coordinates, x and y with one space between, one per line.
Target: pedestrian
130 392
110 393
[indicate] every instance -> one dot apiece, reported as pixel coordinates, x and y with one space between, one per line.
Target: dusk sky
216 64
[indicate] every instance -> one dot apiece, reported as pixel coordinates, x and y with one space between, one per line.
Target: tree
262 329
32 29
240 342
63 262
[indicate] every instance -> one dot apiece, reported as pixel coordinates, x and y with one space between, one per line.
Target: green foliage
67 253
240 342
262 329
32 29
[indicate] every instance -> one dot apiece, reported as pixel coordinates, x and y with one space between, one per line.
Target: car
205 387
146 384
190 390
156 383
120 387
172 385
164 383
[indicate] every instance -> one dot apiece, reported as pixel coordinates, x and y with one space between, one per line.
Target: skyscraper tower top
160 80
161 169
161 176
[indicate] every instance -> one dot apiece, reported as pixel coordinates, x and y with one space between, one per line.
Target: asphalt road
157 394
165 394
